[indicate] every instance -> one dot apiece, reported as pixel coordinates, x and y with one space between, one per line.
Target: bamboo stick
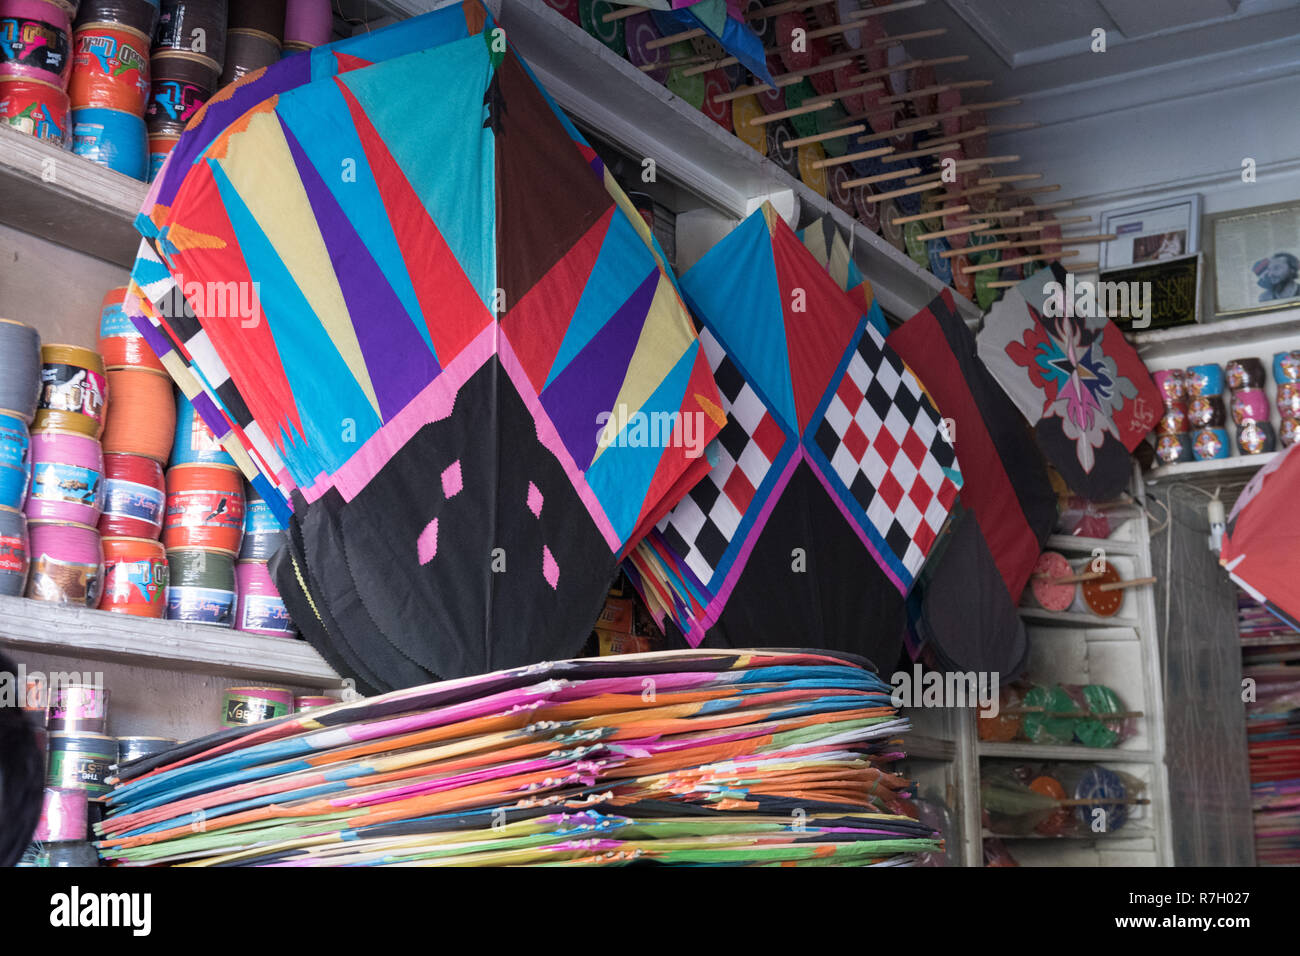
881 197
852 157
785 79
944 211
1005 262
1121 585
878 178
934 90
954 231
1070 578
1098 237
823 137
623 14
1010 178
675 38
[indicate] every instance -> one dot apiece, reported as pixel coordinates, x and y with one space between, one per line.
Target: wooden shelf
1078 543
1217 468
57 195
170 645
1030 751
1077 618
1241 331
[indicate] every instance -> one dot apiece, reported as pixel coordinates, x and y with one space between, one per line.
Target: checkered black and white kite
832 479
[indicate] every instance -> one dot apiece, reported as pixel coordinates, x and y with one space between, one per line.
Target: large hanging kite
832 478
1259 549
454 354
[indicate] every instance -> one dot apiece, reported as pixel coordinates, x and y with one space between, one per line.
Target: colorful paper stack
735 757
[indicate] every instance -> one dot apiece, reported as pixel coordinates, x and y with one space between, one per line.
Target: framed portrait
1152 232
1256 257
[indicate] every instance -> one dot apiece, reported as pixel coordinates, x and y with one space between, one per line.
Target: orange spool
1103 603
120 342
141 414
135 577
110 68
1058 820
205 508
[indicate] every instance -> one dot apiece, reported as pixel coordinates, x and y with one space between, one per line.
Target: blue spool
15 460
1286 367
1101 783
941 267
1210 443
1211 376
194 443
111 138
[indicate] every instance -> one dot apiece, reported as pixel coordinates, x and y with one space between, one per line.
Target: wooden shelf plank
59 196
1030 751
1245 330
167 645
1216 468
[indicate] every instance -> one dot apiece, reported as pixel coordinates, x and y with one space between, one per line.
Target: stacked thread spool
20 386
1286 372
260 609
189 53
204 524
111 81
1206 415
307 25
255 37
1173 441
64 501
137 440
35 64
1246 379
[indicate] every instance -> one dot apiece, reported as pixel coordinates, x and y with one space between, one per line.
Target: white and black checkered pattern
884 441
701 527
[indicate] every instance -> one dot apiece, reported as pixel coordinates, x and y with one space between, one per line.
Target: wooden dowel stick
881 197
932 214
878 178
1083 266
784 80
1033 190
891 133
1010 178
809 106
1069 578
707 65
675 38
934 90
823 137
973 191
1005 262
1121 585
1063 204
927 151
1004 283
1098 237
954 231
998 214
623 14
852 157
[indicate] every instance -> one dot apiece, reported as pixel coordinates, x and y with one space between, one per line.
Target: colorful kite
832 479
482 390
1259 549
1074 378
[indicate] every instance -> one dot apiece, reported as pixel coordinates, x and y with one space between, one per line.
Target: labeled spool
135 497
1289 432
201 589
110 68
194 442
140 15
259 608
246 52
1249 405
1256 438
193 27
135 577
136 748
1206 411
142 415
1288 399
1204 380
181 84
1171 449
1171 384
67 477
1210 443
14 551
205 508
73 390
63 816
252 705
120 343
114 139
78 708
263 535
20 368
15 460
1244 373
312 702
160 147
81 761
1173 421
67 563
36 108
35 41
1286 367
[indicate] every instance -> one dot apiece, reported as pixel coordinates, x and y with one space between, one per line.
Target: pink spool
67 477
1249 405
1049 596
64 816
37 41
312 702
260 609
307 24
67 563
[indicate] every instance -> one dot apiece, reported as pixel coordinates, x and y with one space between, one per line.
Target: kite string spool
142 414
20 368
14 554
120 342
67 564
201 586
135 497
73 390
205 508
67 477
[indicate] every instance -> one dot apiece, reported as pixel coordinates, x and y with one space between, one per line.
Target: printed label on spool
56 481
71 388
248 710
201 437
14 442
175 101
34 43
260 519
79 771
13 554
186 602
110 68
135 582
130 499
114 321
205 509
264 612
36 108
65 582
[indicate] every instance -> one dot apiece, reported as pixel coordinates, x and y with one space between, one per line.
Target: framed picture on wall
1149 233
1256 258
